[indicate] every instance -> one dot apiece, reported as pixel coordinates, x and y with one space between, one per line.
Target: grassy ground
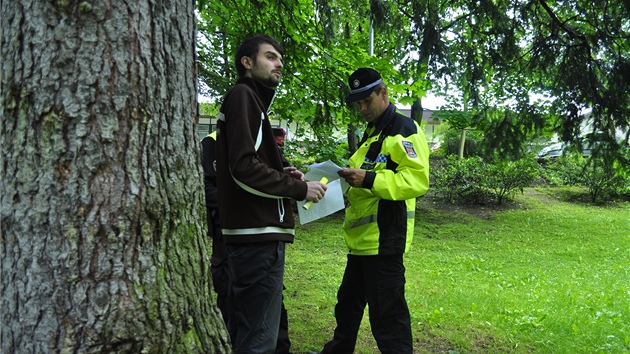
547 273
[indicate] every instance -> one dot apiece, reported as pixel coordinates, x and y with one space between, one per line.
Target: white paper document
326 169
332 202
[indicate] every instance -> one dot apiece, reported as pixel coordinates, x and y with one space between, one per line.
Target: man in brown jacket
254 196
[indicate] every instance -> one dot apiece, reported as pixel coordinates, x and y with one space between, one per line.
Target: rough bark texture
102 241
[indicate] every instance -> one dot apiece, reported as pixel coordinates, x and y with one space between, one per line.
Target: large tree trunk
102 210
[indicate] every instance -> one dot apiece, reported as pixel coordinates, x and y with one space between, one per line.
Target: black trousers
221 277
255 295
378 281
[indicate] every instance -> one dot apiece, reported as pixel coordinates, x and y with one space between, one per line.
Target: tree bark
417 111
103 248
462 144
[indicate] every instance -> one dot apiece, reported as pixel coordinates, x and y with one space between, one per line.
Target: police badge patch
411 152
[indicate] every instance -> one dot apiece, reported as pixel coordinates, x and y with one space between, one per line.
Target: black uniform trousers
379 282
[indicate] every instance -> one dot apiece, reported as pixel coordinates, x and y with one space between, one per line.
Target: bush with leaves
624 171
451 140
563 170
474 181
505 178
461 180
601 179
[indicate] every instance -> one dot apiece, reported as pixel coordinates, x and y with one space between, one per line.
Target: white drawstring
281 209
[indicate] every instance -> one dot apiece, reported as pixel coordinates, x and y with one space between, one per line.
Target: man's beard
270 81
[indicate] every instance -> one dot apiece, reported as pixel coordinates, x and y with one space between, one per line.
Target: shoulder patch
411 152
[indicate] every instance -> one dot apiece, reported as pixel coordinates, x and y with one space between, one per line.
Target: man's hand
294 172
354 176
316 191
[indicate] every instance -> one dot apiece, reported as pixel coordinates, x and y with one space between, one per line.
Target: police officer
387 173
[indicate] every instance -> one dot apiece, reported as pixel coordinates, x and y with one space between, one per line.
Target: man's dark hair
250 47
378 88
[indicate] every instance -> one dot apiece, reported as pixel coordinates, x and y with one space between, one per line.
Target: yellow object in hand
308 204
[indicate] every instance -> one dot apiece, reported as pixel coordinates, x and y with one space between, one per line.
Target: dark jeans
378 281
283 346
256 277
220 270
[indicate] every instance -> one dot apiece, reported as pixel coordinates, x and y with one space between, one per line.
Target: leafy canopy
492 58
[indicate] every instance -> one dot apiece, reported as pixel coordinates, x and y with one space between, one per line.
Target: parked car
558 149
551 151
434 145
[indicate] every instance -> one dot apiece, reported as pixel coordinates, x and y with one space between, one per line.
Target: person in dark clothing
219 264
219 267
255 192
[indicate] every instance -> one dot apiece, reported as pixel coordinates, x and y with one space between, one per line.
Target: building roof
426 115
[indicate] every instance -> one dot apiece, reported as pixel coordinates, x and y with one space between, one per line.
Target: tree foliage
498 56
324 41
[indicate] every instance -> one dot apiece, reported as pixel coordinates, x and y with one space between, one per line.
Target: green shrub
602 179
451 141
472 180
562 171
623 169
461 180
505 178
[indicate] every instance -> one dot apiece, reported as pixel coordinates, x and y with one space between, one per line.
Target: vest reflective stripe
363 221
258 231
373 218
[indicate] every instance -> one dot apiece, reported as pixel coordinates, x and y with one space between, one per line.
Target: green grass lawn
541 275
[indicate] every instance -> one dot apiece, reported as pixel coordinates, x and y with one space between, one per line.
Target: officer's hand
354 176
316 191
